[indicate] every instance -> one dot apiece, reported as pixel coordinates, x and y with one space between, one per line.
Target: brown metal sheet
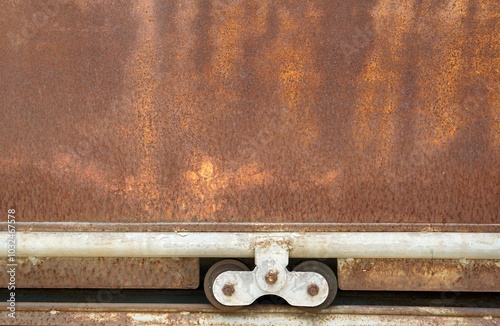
325 111
105 273
419 275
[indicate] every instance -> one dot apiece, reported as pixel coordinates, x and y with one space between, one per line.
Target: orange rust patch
296 72
143 77
380 80
226 36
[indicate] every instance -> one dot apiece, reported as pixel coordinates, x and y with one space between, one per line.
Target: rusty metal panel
325 111
419 275
108 273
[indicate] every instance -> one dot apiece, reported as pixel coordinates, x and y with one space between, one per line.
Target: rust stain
227 36
441 109
205 184
143 78
381 81
251 175
484 76
257 25
296 72
185 72
328 179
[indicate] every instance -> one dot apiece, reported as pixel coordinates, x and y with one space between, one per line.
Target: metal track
201 314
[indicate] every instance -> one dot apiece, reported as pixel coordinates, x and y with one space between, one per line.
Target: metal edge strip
251 227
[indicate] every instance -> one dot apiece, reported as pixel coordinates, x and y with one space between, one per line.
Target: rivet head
272 277
313 289
228 289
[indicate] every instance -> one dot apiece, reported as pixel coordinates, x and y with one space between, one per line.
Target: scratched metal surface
323 111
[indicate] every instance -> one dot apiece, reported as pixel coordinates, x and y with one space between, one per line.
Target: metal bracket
270 276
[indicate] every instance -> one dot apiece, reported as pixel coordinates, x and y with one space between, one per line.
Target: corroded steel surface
251 111
419 275
107 273
151 314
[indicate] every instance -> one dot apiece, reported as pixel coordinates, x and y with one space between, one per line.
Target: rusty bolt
272 277
313 289
228 289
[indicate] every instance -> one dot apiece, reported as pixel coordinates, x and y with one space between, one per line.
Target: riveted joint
272 277
312 290
228 289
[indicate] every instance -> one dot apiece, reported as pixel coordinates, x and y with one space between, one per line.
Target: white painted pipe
241 245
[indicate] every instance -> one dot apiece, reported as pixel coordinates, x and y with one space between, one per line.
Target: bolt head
272 277
228 289
313 289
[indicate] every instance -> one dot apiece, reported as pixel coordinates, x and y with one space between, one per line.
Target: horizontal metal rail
197 314
429 245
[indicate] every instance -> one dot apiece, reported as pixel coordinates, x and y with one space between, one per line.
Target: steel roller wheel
327 273
216 270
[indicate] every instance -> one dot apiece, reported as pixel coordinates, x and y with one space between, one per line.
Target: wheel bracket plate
271 276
